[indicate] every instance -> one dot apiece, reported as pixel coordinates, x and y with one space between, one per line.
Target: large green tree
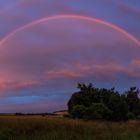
104 103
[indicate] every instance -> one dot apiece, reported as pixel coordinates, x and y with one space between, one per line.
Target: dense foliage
101 103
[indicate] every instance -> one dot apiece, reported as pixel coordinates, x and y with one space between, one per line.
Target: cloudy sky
47 46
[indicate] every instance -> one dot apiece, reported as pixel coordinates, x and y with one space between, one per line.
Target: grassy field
58 128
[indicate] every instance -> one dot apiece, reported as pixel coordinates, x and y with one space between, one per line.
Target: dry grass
58 128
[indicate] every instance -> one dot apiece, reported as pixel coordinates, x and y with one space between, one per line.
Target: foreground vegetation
59 128
101 103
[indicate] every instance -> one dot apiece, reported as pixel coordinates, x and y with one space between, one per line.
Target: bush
118 107
78 111
138 117
18 114
67 115
101 103
131 115
97 111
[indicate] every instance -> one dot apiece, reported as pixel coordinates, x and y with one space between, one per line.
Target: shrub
138 117
131 115
118 107
67 115
18 114
97 111
78 111
101 103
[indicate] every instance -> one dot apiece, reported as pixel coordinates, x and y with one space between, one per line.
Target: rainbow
91 19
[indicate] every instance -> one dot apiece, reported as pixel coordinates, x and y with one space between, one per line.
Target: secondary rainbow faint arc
91 19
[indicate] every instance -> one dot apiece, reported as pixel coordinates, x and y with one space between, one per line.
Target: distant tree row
102 103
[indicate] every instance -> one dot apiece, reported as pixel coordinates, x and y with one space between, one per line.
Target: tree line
101 103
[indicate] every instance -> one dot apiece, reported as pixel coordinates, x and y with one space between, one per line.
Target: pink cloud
95 70
4 85
62 73
136 62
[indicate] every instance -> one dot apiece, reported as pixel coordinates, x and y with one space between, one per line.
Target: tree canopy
101 103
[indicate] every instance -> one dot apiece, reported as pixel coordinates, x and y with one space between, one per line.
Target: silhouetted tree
104 103
78 111
133 100
97 111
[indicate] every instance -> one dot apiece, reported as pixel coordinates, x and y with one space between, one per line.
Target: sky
48 46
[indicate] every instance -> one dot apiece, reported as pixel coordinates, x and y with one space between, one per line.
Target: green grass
58 128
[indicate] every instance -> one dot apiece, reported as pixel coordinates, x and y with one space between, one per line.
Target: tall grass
58 128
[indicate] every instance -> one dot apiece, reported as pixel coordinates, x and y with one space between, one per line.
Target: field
59 128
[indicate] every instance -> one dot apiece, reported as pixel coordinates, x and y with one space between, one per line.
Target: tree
97 111
85 88
133 100
78 111
118 107
102 103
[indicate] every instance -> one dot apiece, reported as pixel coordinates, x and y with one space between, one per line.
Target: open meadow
59 128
